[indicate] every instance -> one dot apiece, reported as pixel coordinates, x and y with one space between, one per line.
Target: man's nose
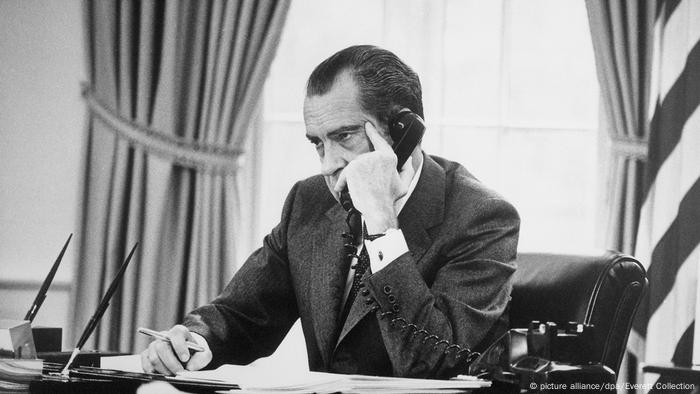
332 161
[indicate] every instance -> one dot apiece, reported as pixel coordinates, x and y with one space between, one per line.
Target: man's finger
178 337
199 360
167 357
146 363
375 138
155 361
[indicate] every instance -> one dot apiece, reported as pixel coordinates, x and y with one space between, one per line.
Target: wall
41 134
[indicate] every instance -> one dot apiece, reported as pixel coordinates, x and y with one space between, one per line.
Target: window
510 91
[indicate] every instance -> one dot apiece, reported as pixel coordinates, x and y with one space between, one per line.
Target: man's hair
386 84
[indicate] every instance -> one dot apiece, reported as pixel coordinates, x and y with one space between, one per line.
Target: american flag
668 238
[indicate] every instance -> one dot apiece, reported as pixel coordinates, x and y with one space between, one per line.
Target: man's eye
343 136
318 145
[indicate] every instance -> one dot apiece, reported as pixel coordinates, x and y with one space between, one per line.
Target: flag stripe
674 179
675 313
668 238
669 7
675 38
669 119
683 354
674 248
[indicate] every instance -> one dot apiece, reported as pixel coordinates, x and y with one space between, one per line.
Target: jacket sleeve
430 329
249 319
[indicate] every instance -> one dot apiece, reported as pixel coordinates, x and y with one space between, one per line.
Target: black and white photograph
349 196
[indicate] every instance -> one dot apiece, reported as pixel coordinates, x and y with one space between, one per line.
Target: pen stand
16 340
47 339
86 358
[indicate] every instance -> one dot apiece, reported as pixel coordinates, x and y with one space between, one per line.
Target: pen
166 338
47 282
101 308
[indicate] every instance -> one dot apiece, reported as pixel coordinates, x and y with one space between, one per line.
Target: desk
254 379
675 379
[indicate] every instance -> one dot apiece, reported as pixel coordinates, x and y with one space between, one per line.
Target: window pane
551 69
551 179
314 30
287 157
472 60
476 148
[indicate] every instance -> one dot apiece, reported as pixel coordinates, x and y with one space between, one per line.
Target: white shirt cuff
386 249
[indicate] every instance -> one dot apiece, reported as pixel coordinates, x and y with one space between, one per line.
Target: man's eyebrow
341 129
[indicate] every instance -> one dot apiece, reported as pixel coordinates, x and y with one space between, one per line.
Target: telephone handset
406 130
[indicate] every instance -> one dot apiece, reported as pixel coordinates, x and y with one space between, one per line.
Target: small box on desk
47 339
86 358
16 340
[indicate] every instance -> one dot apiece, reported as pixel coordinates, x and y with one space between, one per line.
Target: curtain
622 34
172 92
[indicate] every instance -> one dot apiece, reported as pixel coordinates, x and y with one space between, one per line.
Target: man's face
335 124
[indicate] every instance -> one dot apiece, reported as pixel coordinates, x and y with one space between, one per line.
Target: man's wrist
383 250
378 224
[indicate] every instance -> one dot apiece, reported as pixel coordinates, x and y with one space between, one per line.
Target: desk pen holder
16 339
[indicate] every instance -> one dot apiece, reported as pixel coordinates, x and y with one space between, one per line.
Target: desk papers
15 375
263 376
254 379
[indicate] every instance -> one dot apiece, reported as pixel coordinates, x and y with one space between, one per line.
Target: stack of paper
252 379
15 375
266 376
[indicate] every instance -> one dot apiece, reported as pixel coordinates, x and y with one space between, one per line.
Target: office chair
601 289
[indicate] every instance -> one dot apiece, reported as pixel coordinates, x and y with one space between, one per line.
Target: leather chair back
600 289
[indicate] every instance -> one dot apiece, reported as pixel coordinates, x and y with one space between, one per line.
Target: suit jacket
420 316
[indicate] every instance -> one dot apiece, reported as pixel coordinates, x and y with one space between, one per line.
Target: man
440 248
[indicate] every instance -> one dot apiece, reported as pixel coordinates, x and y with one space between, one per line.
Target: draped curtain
622 34
172 93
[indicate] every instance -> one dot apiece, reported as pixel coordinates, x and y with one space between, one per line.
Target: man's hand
170 358
374 183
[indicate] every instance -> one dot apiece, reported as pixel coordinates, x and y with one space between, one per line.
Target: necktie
360 268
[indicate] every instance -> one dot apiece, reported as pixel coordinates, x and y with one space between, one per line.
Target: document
253 379
263 376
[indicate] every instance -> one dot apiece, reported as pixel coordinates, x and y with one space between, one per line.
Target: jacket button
395 307
387 289
365 292
392 298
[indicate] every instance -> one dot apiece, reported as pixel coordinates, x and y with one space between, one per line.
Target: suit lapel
423 210
358 310
329 276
